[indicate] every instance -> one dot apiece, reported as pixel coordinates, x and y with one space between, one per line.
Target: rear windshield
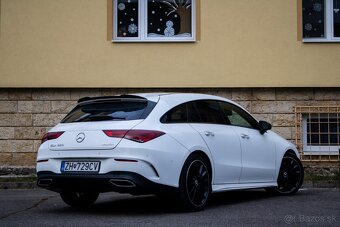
110 111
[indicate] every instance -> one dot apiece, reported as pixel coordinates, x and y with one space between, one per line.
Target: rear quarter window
178 114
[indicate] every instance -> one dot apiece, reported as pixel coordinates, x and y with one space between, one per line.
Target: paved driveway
43 208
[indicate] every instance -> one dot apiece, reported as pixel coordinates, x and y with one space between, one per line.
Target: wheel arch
292 152
207 158
281 152
284 149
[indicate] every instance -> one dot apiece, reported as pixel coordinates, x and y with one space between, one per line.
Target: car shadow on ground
144 205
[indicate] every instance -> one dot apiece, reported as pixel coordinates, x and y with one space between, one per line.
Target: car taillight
51 136
115 133
140 136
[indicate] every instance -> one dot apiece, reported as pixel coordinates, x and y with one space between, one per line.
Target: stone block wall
26 114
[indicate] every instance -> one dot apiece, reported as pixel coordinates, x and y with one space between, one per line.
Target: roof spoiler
84 99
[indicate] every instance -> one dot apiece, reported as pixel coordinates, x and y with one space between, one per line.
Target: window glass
237 117
127 18
178 114
238 120
193 115
104 111
169 18
336 16
154 20
323 131
313 18
206 111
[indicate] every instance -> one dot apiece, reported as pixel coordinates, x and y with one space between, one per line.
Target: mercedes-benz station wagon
182 145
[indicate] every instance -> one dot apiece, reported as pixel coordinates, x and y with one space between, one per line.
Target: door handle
207 133
244 136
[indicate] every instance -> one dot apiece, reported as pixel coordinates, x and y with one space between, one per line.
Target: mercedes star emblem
80 137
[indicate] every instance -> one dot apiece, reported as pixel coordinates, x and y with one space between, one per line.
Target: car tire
194 184
79 199
290 177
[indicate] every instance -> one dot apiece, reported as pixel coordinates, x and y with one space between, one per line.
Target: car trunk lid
89 135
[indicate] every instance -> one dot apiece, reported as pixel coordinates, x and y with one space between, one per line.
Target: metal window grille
317 132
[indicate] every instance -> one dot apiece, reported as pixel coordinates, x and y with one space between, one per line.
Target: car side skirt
229 187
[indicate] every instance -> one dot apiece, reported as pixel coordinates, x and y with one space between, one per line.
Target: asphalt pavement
309 207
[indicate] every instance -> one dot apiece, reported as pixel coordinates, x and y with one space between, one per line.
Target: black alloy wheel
195 184
290 176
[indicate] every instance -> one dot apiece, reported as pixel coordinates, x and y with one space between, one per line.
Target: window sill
153 41
321 150
317 40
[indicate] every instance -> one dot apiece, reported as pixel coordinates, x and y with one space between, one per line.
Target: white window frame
316 150
143 22
329 26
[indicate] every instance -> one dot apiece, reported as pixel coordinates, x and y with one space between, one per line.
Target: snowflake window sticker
317 7
133 28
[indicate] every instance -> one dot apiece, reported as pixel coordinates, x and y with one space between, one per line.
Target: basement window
154 20
321 20
317 133
321 133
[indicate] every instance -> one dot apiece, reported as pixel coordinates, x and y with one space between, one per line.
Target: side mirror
264 126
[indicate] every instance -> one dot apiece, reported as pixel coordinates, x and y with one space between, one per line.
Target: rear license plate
80 166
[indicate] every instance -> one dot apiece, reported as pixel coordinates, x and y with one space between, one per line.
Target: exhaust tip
44 182
122 183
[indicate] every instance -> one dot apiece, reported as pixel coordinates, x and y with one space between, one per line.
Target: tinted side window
206 111
238 117
178 114
193 114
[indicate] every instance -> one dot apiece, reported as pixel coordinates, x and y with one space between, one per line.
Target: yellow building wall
244 43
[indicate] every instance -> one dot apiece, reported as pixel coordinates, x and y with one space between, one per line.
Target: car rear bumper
123 182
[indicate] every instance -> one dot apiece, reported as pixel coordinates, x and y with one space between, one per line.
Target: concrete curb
321 184
18 181
18 185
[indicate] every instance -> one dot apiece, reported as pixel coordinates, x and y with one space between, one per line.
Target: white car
187 145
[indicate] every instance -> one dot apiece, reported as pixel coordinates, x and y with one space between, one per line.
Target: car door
258 151
205 117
